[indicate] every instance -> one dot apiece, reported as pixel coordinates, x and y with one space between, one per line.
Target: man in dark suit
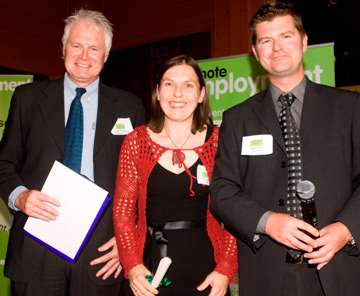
35 137
249 189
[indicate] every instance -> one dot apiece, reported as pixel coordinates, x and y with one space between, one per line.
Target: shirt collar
298 91
70 87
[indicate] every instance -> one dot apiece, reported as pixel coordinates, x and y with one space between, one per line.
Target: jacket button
281 202
283 164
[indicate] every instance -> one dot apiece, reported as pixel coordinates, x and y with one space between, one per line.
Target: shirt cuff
13 195
261 227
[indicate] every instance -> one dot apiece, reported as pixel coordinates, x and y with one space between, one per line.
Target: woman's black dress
190 249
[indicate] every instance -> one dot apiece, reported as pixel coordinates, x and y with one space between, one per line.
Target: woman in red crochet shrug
161 197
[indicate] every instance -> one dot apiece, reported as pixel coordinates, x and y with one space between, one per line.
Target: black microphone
306 190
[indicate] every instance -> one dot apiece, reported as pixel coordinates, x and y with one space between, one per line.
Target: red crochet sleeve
124 208
225 249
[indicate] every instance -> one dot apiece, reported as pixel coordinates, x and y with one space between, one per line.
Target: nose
177 91
84 54
277 45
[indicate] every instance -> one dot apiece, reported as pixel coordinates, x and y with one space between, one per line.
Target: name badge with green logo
202 176
257 145
122 126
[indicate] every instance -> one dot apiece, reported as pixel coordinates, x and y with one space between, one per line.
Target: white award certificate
82 204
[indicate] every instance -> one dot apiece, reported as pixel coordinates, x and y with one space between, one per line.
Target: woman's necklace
176 152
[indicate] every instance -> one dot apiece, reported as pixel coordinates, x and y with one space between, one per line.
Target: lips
279 57
83 65
177 104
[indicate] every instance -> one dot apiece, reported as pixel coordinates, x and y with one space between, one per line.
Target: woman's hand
111 258
218 282
138 283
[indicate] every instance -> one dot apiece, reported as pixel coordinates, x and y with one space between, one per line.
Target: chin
281 70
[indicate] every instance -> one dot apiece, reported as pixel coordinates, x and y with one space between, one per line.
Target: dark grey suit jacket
34 139
244 187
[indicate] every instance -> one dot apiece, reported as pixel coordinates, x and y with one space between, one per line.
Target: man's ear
253 48
305 42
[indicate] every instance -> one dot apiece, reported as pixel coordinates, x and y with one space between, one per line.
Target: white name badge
257 145
122 126
202 176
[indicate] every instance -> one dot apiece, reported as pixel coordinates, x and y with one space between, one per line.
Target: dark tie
74 133
293 151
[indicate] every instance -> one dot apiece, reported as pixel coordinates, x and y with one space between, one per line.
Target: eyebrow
281 34
170 79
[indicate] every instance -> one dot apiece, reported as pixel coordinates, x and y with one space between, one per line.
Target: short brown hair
271 10
202 113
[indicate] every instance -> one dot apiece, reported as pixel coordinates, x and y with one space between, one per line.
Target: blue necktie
74 133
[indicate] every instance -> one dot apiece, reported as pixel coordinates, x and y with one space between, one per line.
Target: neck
178 129
287 83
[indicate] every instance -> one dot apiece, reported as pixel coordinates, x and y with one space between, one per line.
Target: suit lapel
106 117
267 115
313 105
52 108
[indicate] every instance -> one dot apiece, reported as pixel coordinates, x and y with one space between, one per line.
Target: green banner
8 83
232 80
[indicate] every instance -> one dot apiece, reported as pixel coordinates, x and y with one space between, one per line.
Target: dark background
335 21
147 33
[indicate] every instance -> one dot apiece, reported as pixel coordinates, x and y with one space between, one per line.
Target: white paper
80 201
257 145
